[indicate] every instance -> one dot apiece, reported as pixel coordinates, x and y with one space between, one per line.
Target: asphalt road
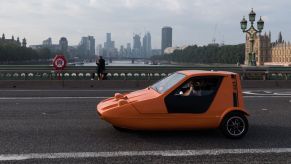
61 126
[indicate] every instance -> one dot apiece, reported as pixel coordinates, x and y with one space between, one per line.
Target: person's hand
191 88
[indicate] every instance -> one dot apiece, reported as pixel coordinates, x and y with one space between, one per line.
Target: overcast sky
193 21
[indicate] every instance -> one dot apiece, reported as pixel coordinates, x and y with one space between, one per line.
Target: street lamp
252 31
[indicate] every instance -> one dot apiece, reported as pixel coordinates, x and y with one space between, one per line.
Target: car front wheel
234 125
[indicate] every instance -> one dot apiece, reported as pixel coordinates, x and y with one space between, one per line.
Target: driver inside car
194 89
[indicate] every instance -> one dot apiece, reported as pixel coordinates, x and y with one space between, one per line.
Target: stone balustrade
35 72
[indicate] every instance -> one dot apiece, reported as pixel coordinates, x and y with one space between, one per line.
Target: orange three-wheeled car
181 101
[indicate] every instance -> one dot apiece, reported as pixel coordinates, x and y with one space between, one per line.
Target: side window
199 86
210 85
194 96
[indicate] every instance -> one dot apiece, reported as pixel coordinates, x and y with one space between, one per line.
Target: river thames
124 63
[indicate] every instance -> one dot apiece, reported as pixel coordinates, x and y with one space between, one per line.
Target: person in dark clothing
101 68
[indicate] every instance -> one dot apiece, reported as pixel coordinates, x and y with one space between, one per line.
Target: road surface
61 126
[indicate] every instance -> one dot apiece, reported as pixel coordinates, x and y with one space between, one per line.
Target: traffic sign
59 62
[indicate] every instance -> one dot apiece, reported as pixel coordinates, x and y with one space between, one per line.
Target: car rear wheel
234 125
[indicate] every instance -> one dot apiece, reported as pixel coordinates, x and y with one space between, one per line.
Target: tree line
226 54
10 53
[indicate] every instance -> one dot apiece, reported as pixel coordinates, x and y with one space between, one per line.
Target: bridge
132 59
134 72
45 120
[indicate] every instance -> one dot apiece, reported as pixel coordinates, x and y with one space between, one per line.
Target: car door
177 102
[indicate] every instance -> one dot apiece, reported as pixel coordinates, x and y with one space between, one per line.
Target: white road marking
265 109
267 92
47 98
271 94
166 153
260 94
283 94
267 96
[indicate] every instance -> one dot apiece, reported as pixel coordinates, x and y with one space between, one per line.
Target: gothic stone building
269 53
12 41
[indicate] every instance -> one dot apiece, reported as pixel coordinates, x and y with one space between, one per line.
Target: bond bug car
184 100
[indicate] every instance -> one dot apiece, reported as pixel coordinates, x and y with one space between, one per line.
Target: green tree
227 54
11 53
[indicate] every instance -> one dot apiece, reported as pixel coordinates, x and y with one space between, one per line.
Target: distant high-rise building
128 46
128 49
63 43
166 38
122 51
99 50
136 50
109 44
136 42
84 45
147 45
108 37
61 47
87 45
109 47
47 43
92 45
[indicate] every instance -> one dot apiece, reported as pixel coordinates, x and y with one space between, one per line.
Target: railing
134 72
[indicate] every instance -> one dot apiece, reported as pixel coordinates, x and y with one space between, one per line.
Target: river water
125 63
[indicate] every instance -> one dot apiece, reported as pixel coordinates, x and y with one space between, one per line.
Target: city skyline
167 38
195 22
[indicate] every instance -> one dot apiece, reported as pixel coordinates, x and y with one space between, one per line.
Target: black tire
234 125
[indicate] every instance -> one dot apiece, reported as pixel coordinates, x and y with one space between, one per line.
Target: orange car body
147 109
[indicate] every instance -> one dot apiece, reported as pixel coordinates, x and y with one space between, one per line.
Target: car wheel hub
235 126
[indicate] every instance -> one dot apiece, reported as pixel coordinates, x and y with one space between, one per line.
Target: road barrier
37 72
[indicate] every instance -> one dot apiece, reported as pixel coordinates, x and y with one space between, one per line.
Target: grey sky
193 21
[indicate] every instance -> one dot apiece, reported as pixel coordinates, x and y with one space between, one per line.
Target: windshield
163 85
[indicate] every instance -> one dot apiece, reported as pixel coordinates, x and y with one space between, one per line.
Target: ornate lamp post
252 31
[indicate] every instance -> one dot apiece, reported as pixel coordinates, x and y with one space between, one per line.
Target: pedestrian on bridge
101 68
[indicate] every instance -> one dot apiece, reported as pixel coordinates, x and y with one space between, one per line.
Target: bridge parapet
134 72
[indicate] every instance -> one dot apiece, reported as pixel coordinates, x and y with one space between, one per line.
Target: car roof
202 72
